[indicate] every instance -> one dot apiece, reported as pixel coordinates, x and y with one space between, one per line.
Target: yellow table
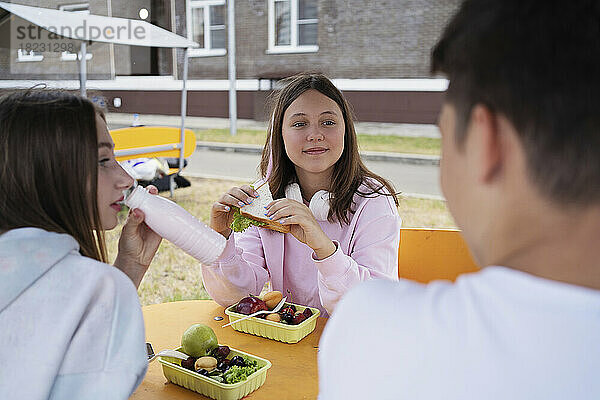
292 376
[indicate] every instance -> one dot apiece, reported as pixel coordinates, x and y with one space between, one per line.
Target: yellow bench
425 255
152 141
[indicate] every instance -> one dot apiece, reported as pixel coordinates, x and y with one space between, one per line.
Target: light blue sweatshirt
70 327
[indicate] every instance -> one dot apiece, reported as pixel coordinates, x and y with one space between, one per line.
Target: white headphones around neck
319 204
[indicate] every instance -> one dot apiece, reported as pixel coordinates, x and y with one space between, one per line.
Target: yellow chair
425 255
152 141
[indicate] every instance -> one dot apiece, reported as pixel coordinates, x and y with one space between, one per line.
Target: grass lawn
395 144
174 275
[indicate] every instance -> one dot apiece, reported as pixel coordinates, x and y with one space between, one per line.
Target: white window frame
77 7
206 51
293 47
68 56
29 56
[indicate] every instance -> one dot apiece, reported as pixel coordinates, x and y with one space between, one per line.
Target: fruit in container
298 318
275 317
289 308
250 305
237 360
288 317
273 298
307 312
224 365
198 340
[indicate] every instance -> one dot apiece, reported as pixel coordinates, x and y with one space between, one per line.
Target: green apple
198 340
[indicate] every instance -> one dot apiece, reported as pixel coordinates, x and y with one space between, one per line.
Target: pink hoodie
367 248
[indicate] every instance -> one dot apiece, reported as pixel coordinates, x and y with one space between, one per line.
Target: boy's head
524 79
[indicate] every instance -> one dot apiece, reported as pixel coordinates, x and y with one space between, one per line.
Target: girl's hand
137 245
221 213
303 225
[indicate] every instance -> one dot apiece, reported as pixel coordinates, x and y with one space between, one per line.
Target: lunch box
206 386
274 330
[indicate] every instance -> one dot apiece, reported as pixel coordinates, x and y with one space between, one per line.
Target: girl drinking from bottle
72 325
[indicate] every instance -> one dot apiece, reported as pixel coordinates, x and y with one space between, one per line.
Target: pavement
412 180
365 155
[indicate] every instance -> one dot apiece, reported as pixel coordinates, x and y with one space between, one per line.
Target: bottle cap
135 198
127 192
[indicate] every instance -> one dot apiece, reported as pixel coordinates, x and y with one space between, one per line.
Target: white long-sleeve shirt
70 327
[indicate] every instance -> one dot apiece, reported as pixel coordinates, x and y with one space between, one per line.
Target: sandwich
254 213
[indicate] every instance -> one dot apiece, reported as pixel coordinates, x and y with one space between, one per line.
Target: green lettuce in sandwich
254 213
241 223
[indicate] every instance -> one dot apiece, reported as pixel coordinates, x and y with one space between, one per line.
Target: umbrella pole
183 114
82 69
231 67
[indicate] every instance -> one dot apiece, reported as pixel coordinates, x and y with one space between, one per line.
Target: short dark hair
349 172
49 166
538 64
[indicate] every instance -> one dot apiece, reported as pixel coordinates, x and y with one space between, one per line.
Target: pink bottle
174 223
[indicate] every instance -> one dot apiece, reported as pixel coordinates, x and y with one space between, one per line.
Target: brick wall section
357 39
386 39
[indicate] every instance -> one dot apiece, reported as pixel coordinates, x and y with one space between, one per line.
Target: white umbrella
100 28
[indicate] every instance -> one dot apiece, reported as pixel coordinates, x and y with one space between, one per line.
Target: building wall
135 60
380 39
356 39
407 107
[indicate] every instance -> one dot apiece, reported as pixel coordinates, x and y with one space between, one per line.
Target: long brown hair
49 166
349 172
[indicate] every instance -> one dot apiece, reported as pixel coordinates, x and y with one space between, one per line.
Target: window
83 8
293 26
206 26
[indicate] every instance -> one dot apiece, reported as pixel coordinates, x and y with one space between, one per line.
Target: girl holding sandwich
343 222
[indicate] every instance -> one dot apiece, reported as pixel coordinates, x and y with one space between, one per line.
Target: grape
238 360
287 317
224 365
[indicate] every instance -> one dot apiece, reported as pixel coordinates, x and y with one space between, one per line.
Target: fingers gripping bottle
174 223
